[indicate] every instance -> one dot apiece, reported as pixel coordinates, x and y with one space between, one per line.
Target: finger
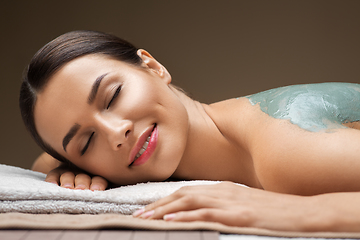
187 190
208 215
186 203
82 181
98 183
211 190
67 180
53 177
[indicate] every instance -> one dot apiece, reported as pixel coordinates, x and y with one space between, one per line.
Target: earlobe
151 63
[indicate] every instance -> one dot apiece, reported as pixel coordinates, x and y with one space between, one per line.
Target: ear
153 65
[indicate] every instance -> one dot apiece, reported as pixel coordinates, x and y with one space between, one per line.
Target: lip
149 150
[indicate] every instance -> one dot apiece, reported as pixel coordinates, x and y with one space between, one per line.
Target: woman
97 102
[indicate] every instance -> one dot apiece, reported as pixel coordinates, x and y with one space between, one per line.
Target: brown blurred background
213 49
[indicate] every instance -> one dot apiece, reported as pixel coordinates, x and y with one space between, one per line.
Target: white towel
25 191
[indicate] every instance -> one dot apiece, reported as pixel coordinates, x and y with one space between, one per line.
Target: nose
116 131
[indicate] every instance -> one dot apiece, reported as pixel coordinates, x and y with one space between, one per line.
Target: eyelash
87 144
92 134
114 96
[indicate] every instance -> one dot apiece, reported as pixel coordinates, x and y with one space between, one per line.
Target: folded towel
25 191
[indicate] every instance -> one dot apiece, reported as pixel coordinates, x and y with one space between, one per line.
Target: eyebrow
73 130
95 88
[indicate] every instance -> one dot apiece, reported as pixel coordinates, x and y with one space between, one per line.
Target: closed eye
87 144
114 96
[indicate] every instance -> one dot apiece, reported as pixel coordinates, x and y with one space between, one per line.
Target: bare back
323 156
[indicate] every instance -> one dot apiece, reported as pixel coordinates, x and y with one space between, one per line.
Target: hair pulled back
55 55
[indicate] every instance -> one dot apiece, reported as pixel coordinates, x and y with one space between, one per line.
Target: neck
209 154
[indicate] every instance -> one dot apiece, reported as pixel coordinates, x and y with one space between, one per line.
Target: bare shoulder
235 118
293 160
45 163
288 158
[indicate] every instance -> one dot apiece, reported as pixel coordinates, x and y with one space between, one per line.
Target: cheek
133 102
173 139
140 102
98 162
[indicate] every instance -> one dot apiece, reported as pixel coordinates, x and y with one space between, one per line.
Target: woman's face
102 113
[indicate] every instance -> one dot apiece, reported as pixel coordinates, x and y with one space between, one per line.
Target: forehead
65 96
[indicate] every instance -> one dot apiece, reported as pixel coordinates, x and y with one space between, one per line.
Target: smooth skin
59 174
108 128
235 205
301 172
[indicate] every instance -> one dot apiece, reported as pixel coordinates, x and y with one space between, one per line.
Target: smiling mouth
143 148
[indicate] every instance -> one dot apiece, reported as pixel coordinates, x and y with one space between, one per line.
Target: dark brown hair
53 56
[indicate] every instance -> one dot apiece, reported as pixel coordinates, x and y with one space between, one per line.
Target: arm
62 175
45 163
235 205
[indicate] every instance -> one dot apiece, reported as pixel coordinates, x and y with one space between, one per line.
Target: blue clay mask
313 107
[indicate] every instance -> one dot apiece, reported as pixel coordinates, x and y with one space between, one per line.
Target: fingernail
138 212
169 217
67 185
82 187
95 188
147 214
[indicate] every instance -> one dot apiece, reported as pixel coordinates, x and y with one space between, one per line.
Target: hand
75 179
234 205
